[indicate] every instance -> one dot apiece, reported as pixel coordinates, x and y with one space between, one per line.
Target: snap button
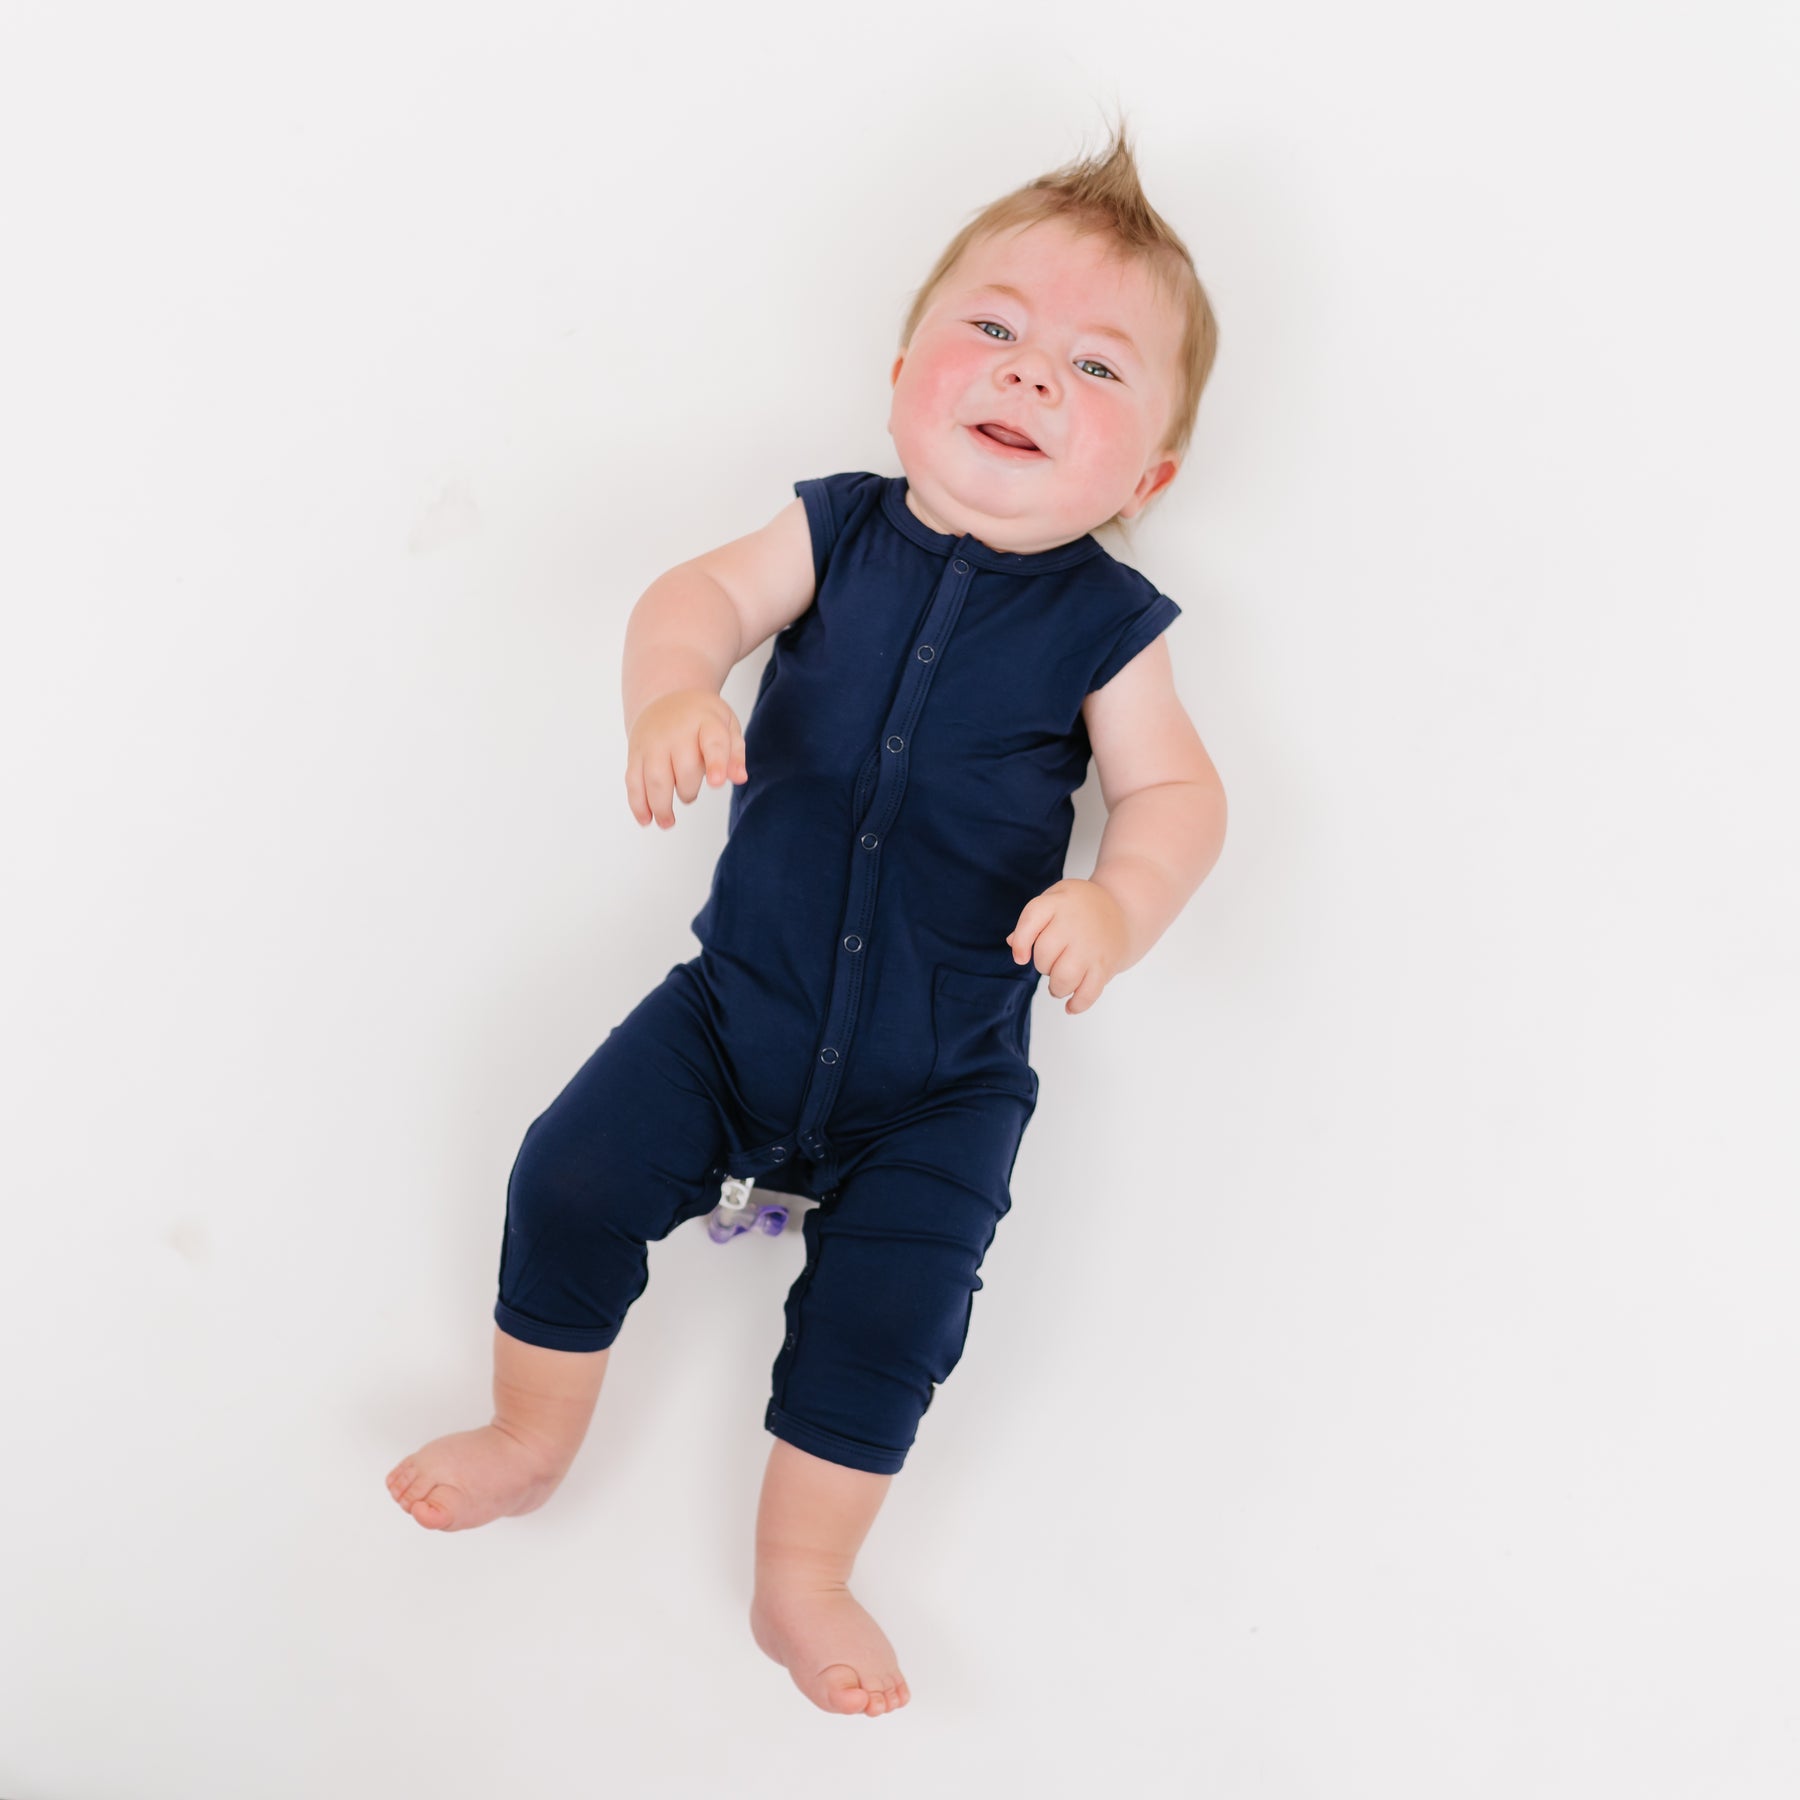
926 653
853 942
828 1055
790 1337
896 743
868 840
779 1150
961 567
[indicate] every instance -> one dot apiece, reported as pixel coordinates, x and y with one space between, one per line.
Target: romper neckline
1008 562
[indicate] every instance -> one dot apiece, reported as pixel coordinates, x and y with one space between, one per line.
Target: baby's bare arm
1165 820
692 626
697 622
680 644
684 633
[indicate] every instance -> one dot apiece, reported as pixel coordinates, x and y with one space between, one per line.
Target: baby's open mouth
1012 440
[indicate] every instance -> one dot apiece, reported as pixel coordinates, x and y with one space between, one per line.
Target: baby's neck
950 530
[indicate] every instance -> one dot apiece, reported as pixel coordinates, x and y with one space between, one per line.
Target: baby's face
1096 408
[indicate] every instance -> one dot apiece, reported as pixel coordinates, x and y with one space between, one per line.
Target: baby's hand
674 740
1075 932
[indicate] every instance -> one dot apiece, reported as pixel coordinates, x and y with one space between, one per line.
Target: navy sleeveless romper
854 1029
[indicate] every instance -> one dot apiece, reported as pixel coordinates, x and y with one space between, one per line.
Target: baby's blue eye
1086 361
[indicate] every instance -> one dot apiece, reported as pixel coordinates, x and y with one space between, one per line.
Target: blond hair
1103 194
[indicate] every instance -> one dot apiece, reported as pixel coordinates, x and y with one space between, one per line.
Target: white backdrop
1383 1385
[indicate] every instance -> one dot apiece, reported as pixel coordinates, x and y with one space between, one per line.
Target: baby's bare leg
543 1400
546 1397
810 1524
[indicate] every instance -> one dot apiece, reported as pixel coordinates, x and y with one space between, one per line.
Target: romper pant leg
880 1313
619 1158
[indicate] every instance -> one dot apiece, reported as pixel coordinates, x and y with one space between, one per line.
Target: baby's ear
1152 483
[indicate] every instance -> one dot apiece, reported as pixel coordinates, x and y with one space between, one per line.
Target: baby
951 646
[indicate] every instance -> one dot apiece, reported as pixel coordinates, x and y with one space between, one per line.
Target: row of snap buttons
869 840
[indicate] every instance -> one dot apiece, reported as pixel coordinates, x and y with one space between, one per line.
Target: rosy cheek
948 374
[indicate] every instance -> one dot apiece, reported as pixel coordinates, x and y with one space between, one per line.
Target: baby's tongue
1009 437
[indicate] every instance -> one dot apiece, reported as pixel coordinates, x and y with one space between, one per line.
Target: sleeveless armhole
1147 623
816 495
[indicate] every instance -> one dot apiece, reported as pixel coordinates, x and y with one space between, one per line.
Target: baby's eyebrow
1012 293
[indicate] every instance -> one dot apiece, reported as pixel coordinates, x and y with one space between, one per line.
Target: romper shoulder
1138 612
833 504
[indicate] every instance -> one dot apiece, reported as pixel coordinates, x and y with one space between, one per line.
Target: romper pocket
978 1032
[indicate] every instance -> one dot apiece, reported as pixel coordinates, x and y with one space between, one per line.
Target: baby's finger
659 782
739 770
634 790
690 771
1087 992
715 745
1033 917
1069 973
1052 955
1039 940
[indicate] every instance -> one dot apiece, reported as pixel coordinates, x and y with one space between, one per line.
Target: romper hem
552 1337
851 1452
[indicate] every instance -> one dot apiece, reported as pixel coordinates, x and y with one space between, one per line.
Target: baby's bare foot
839 1657
470 1477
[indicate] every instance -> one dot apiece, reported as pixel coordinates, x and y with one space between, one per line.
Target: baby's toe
432 1503
884 1694
843 1688
432 1512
